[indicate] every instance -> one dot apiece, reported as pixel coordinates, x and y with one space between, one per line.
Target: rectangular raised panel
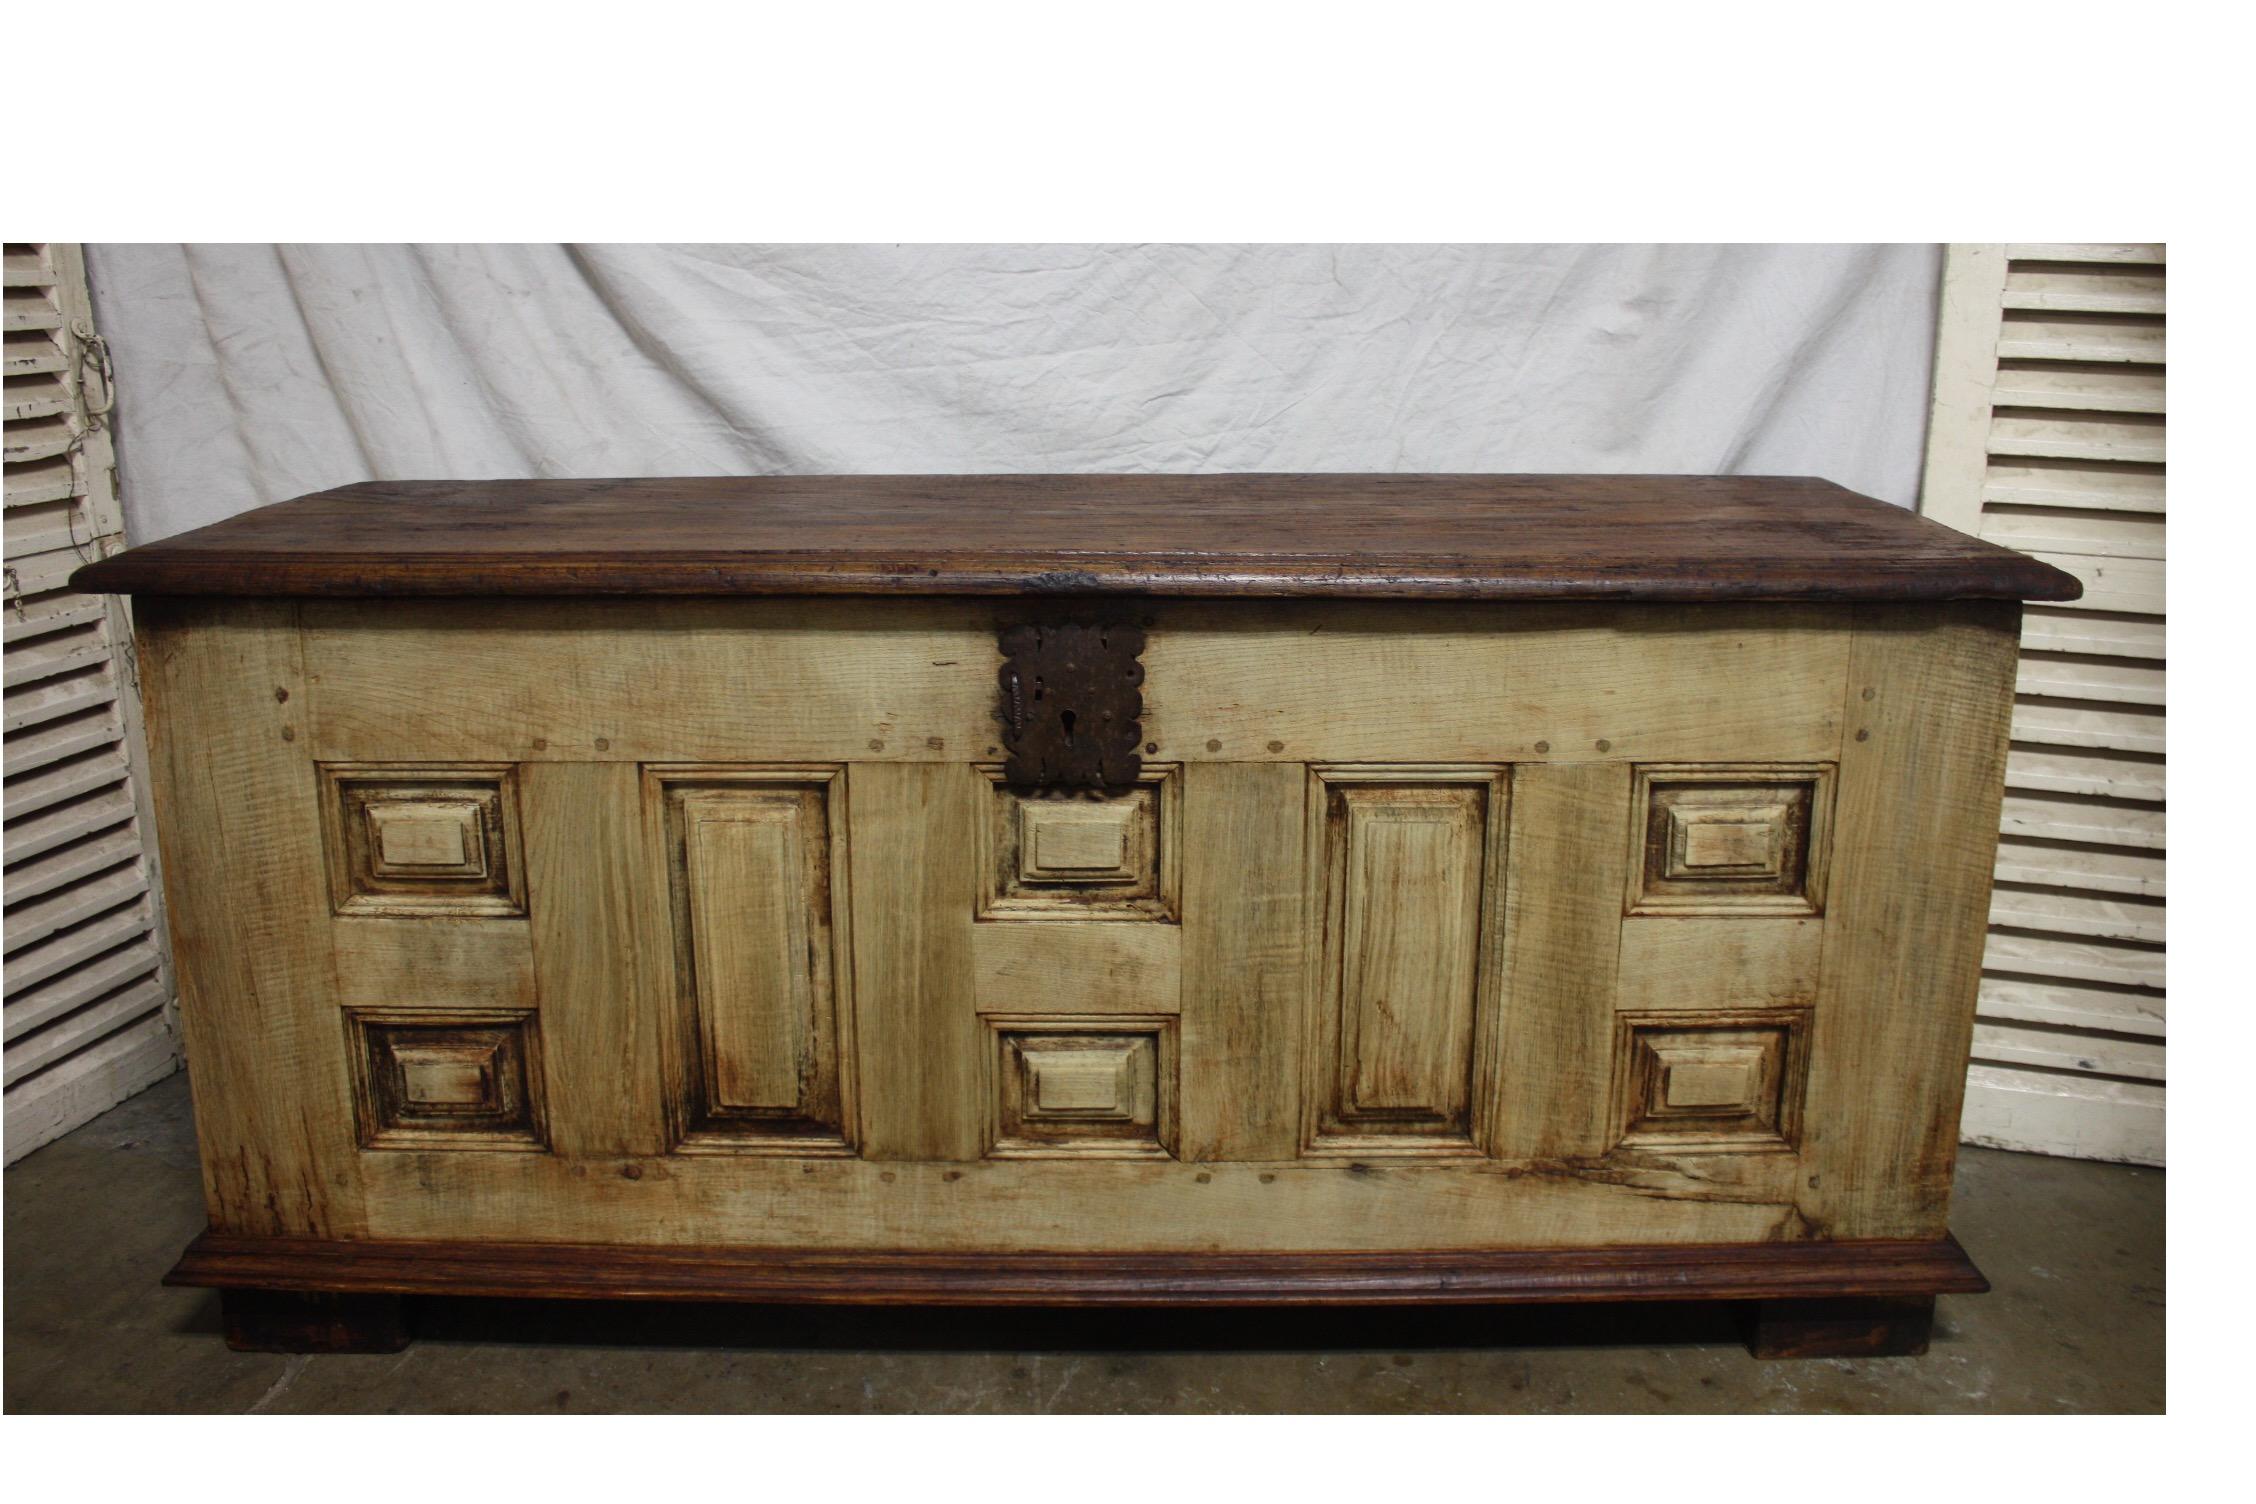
1404 981
445 1079
1093 1087
1712 1081
422 840
1730 838
761 1059
1053 854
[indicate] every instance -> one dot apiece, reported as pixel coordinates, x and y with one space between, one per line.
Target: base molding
1763 1272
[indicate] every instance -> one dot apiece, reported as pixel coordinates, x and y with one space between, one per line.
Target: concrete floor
2075 1324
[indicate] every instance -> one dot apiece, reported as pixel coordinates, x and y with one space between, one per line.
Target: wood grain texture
1921 780
595 927
1406 935
247 897
1261 681
1244 965
1093 966
1489 537
1562 924
1765 962
914 966
1776 1271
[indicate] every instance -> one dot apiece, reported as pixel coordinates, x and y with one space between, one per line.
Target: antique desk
1093 889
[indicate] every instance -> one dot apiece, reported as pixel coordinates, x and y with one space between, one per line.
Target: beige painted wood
1245 959
1078 966
1404 1014
1671 962
1398 1002
914 965
248 899
1921 779
1568 858
792 681
596 910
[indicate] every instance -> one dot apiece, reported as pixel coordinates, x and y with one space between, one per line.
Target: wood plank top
1458 537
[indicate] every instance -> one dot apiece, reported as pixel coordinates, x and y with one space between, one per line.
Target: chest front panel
1420 926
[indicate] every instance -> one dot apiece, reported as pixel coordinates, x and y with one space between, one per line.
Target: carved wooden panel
446 1079
1729 1080
1091 1087
761 1057
1064 855
1410 920
1730 839
423 840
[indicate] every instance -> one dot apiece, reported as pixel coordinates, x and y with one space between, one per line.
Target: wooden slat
2114 680
2067 723
2096 822
58 954
2046 336
36 876
2137 253
2083 388
2099 486
51 786
2054 1000
43 1047
2060 287
2092 915
30 923
2114 535
57 828
2099 869
2116 776
34 1004
2049 630
2115 964
35 481
2064 1050
2037 434
40 439
2133 586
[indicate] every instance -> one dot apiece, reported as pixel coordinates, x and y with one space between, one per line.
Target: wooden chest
1079 889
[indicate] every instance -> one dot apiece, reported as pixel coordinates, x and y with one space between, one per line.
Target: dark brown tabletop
1461 537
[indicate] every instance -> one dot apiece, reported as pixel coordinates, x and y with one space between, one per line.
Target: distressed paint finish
1424 932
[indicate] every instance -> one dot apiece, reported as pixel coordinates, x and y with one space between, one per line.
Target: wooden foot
1871 1326
287 1321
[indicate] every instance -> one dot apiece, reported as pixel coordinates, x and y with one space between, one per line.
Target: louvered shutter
88 1003
2047 435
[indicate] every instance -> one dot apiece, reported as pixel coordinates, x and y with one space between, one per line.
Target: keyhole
1065 719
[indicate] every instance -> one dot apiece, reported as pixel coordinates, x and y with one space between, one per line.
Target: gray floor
2075 1324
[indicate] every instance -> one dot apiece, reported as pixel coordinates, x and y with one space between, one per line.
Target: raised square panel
422 840
446 1079
1094 1087
1080 856
414 838
1730 839
1727 1081
1076 843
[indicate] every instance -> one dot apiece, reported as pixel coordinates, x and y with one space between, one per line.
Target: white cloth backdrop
247 374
